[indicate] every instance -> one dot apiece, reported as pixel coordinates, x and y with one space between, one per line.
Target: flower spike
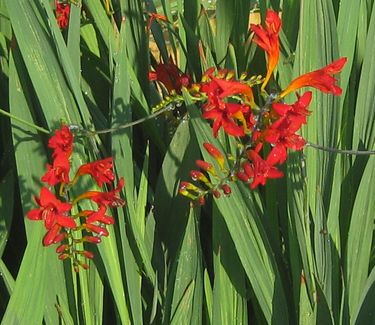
268 39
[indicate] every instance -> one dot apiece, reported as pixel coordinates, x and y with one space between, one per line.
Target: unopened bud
206 166
59 238
92 239
215 153
64 256
62 248
243 177
88 254
201 200
216 193
226 189
97 229
248 168
199 176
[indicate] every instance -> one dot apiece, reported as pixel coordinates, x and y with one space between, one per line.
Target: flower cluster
264 130
170 76
65 223
62 13
222 176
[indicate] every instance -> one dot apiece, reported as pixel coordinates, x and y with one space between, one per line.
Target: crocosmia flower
58 172
110 199
100 170
62 13
268 39
260 170
98 216
51 210
321 79
170 76
226 114
61 142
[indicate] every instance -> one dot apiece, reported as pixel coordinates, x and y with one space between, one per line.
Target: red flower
53 235
98 216
296 113
170 76
101 171
110 198
61 142
155 16
268 39
224 114
321 79
281 133
57 172
54 214
62 13
259 170
101 231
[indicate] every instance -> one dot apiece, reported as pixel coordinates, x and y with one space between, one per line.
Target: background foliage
298 251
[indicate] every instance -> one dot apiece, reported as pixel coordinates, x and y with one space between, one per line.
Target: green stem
128 125
341 151
24 122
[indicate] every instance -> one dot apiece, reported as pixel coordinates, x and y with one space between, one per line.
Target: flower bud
226 189
216 193
88 254
96 229
62 248
64 256
92 239
215 153
201 200
243 177
206 166
199 176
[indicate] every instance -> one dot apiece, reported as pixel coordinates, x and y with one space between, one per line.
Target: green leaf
185 288
229 294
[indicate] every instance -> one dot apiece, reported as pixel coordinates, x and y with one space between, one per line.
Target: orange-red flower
54 214
170 76
111 198
268 39
226 114
62 13
100 170
58 172
155 16
259 170
321 79
61 142
98 216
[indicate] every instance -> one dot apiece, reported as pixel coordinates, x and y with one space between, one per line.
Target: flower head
268 39
226 114
259 170
111 198
170 76
51 210
321 79
58 172
100 170
98 216
62 142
